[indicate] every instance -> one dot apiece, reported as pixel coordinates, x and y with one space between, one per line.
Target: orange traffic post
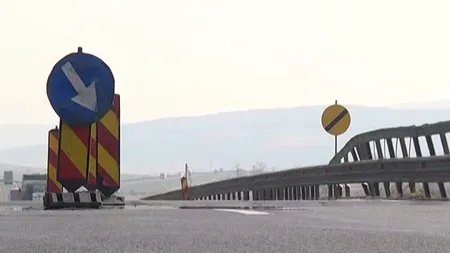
184 188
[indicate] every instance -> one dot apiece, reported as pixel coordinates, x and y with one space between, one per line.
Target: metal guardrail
420 169
439 128
362 170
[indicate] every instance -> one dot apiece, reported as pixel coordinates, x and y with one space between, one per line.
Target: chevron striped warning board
336 119
73 155
52 162
108 150
92 172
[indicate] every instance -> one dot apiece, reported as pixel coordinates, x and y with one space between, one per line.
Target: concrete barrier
113 200
58 200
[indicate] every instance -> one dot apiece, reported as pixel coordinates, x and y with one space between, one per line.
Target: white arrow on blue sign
80 88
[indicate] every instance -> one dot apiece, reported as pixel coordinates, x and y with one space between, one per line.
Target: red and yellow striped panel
108 149
52 162
73 155
92 172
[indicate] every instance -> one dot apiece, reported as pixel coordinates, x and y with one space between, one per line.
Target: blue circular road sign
80 88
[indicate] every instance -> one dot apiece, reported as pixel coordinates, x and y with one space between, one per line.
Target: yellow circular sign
336 119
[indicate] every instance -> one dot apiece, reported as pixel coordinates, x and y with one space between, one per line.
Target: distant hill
438 104
281 138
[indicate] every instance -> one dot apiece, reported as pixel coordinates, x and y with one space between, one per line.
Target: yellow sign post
336 121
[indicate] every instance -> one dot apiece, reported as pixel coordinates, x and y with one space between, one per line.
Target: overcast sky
180 58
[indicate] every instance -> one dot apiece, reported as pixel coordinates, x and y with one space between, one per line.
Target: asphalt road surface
347 226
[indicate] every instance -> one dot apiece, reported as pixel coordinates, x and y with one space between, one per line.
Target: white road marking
242 211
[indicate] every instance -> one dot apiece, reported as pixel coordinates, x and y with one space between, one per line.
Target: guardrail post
381 156
387 189
295 192
246 195
403 147
399 189
426 186
317 191
365 187
390 145
378 149
433 153
272 194
411 185
330 191
446 151
442 191
292 192
364 154
338 191
354 155
376 187
278 194
347 190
